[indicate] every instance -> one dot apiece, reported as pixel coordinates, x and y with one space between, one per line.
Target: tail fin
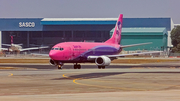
11 39
116 37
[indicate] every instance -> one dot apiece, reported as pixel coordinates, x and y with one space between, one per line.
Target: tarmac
126 82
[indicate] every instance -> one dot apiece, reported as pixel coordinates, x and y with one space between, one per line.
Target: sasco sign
27 24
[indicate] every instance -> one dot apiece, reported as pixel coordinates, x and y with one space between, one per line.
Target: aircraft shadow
99 75
86 66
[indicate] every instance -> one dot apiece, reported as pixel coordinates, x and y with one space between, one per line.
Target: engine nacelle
103 61
52 62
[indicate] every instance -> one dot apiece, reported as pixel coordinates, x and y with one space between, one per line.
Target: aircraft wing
19 44
136 44
37 54
3 48
121 55
33 48
6 44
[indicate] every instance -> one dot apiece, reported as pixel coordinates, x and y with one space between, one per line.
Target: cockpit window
61 48
57 49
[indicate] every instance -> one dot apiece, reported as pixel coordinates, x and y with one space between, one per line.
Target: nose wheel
60 65
77 66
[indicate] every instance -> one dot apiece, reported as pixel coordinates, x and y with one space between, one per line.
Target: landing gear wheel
101 67
77 66
59 67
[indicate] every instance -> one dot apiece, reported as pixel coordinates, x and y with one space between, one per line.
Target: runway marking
134 83
84 78
65 76
106 86
11 74
75 79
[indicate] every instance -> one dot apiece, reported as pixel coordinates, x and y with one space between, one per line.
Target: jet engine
102 61
52 62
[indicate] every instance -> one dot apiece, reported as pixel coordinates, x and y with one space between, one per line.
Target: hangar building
49 31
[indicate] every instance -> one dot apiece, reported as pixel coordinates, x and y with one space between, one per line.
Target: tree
175 38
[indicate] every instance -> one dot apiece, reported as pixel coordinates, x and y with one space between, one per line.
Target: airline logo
118 32
118 28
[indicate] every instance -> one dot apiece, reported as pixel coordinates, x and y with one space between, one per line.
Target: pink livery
80 52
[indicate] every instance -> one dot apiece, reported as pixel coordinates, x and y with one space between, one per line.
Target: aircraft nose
52 54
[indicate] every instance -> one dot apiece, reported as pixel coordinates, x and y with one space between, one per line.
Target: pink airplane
93 52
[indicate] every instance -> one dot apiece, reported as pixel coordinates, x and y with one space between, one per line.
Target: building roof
127 22
77 21
145 30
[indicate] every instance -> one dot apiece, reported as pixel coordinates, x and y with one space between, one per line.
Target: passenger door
68 52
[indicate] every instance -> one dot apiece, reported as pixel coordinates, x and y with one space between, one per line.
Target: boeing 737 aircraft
100 53
17 47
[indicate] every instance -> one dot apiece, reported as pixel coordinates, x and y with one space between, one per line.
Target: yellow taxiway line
109 87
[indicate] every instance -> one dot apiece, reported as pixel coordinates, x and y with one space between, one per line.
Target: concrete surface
41 82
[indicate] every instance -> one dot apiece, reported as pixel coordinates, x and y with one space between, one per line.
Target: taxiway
117 82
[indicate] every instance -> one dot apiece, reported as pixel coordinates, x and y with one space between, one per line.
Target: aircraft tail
11 39
116 37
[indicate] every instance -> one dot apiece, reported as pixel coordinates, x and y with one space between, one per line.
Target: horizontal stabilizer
132 45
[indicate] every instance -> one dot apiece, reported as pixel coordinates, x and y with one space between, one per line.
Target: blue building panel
77 22
147 22
20 24
36 24
127 22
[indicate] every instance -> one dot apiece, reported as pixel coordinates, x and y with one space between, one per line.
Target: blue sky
90 9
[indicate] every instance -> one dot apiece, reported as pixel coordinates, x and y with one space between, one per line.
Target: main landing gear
99 67
77 66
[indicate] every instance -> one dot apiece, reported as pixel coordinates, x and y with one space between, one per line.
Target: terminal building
50 31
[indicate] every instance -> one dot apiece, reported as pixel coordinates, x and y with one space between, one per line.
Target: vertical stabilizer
116 37
11 39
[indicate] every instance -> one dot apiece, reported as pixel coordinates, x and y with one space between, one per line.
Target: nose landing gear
60 65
